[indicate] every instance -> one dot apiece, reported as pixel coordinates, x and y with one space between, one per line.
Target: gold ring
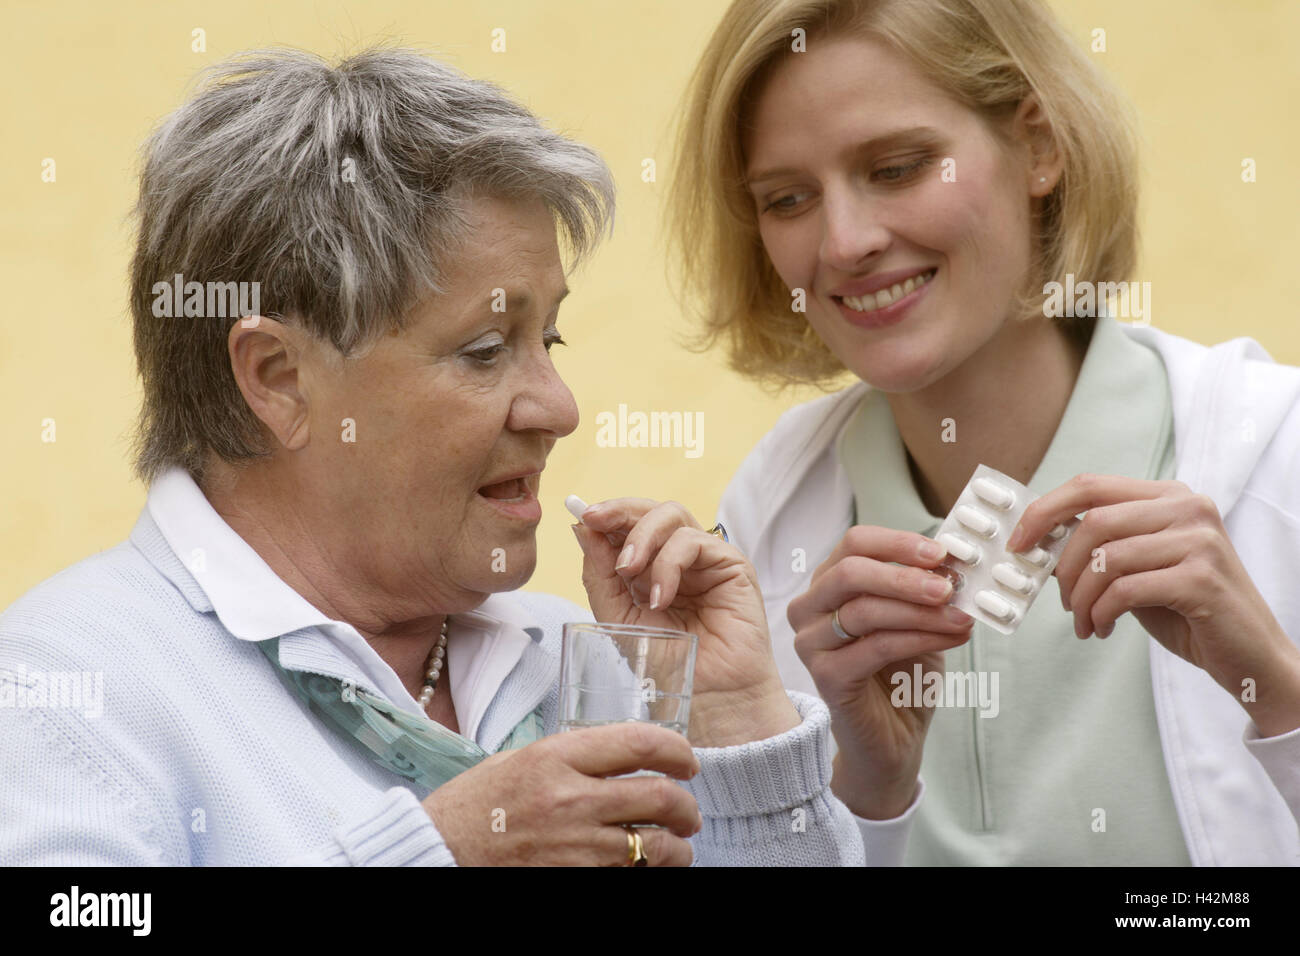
720 532
635 848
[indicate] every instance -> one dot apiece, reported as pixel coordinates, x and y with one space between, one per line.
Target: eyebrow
885 140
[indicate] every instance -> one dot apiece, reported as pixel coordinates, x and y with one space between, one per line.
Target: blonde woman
886 188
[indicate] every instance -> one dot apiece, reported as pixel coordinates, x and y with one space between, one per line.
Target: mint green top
1075 732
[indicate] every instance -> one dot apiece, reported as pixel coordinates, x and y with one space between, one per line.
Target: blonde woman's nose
852 234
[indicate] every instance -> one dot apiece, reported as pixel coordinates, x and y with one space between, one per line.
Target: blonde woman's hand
893 607
1159 550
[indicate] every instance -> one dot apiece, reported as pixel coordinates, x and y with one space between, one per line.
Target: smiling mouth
886 297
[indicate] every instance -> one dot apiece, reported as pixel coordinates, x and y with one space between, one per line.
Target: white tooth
869 303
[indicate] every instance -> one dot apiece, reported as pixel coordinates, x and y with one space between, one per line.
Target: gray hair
246 182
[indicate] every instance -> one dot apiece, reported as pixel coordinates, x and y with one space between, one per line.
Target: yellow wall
1214 81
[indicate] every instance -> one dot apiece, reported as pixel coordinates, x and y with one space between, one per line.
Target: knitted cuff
399 834
767 776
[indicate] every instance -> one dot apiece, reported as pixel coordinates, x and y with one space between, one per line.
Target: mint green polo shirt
1070 770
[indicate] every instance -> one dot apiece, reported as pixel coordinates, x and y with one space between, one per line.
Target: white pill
993 493
1035 556
977 521
960 548
995 606
1015 579
1056 532
575 505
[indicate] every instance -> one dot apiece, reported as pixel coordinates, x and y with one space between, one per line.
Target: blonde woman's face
863 172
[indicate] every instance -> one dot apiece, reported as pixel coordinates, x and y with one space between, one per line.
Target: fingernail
575 528
931 551
1106 631
937 588
956 615
625 558
654 597
1013 543
594 509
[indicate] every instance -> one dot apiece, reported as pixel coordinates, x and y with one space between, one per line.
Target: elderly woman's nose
853 229
545 403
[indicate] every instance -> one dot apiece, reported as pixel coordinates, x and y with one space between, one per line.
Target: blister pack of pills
990 583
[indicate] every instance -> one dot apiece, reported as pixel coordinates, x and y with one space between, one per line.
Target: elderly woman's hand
551 803
1161 551
667 572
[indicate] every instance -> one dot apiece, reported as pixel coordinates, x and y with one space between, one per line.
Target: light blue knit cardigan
202 757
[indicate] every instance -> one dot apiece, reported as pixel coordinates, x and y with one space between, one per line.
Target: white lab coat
1237 436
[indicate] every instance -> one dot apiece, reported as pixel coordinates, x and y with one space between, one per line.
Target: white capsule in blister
993 493
990 603
1000 589
977 521
1035 556
960 548
1009 576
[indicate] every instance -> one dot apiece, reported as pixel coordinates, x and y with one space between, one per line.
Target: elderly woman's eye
552 337
486 354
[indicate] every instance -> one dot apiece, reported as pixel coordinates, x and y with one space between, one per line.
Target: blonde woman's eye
784 203
898 173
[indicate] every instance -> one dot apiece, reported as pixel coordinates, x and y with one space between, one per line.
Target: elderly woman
890 188
313 645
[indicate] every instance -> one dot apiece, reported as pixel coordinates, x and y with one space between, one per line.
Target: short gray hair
246 182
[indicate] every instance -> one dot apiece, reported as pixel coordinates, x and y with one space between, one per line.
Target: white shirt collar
255 604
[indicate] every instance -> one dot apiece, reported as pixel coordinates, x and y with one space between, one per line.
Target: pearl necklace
433 669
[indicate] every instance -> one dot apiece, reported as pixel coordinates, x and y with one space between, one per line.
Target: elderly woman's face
861 139
454 419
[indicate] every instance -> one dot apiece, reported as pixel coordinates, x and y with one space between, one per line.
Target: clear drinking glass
610 673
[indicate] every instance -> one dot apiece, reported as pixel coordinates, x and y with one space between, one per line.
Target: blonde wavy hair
986 54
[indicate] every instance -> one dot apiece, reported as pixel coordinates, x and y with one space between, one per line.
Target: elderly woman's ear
270 363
